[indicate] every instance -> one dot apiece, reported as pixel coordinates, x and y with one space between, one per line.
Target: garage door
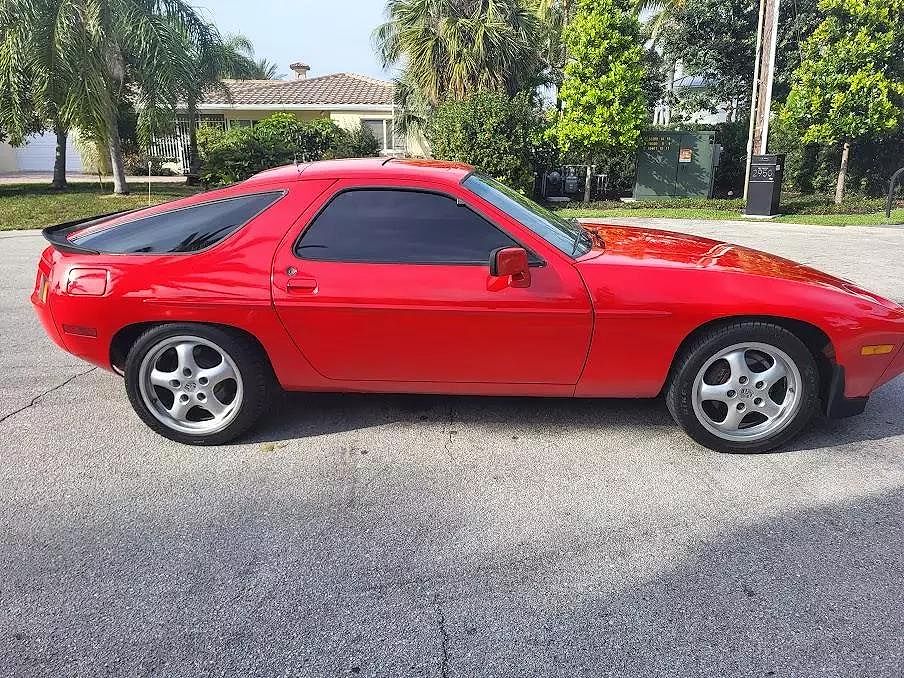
38 154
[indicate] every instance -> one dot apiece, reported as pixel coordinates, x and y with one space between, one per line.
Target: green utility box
676 165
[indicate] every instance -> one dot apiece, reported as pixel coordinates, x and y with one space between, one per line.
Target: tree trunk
120 186
59 161
842 173
194 165
117 164
670 94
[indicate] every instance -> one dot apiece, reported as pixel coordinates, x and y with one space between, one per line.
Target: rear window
187 229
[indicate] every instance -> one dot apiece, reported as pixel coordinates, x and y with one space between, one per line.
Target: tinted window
188 229
385 226
564 234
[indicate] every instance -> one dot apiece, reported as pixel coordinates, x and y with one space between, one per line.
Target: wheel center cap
745 393
189 386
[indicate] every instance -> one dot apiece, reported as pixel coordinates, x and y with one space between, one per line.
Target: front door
392 284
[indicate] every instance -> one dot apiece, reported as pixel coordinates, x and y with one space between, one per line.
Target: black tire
692 359
257 379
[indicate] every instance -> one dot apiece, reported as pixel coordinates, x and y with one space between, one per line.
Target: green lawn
868 219
37 205
24 206
817 210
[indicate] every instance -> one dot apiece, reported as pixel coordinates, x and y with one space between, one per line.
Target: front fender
643 314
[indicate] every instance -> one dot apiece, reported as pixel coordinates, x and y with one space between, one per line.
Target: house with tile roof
348 99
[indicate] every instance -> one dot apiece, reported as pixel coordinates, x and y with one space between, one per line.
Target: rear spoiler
58 235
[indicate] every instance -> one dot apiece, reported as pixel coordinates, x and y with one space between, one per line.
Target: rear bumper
64 317
837 405
42 310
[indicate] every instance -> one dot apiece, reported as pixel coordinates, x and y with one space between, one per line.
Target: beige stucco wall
418 145
261 114
351 119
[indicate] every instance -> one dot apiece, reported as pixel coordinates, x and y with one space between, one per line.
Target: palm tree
245 65
450 48
264 69
31 100
657 14
209 64
554 17
90 55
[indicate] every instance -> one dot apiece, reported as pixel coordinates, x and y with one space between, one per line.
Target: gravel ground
416 536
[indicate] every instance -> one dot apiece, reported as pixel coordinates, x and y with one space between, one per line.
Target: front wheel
197 384
744 387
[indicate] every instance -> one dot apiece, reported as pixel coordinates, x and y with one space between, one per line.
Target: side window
187 229
399 226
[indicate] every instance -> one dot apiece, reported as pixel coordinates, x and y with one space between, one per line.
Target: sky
331 36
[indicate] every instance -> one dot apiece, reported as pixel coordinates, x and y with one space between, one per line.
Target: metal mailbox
764 185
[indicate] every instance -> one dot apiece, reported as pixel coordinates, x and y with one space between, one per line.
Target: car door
391 283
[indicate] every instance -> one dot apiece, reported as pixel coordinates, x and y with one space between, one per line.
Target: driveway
439 536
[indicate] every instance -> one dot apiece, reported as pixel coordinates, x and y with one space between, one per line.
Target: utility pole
763 75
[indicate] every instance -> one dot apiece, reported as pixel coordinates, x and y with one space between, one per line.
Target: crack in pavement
37 398
444 637
450 433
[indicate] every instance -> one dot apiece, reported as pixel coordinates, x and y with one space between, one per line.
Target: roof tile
328 90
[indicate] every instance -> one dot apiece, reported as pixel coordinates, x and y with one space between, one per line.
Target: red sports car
427 277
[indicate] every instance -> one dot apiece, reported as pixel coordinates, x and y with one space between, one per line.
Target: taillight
42 287
87 281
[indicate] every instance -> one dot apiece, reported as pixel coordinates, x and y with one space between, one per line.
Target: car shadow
882 419
304 415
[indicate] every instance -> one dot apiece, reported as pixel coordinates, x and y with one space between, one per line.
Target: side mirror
511 262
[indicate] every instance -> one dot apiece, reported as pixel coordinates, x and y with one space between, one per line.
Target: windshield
564 234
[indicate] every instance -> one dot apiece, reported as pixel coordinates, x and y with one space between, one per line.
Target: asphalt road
434 536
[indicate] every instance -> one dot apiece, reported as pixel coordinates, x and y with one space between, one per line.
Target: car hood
647 246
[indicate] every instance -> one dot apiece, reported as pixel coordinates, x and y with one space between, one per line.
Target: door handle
301 285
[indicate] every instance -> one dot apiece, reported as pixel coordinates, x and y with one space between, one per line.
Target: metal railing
175 146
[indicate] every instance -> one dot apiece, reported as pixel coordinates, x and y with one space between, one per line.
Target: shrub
490 131
813 168
229 156
357 143
238 153
136 164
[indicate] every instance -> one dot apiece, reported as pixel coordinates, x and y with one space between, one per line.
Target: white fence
175 147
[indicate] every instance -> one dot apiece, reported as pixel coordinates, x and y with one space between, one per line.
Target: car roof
396 168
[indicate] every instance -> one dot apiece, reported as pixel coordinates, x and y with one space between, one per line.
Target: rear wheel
745 387
197 384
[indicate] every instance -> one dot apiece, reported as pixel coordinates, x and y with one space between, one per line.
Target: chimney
301 70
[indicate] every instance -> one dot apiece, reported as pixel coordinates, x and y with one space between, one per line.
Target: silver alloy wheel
747 392
190 385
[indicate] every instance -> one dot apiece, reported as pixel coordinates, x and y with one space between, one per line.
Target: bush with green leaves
603 97
849 87
357 143
280 139
491 131
813 167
